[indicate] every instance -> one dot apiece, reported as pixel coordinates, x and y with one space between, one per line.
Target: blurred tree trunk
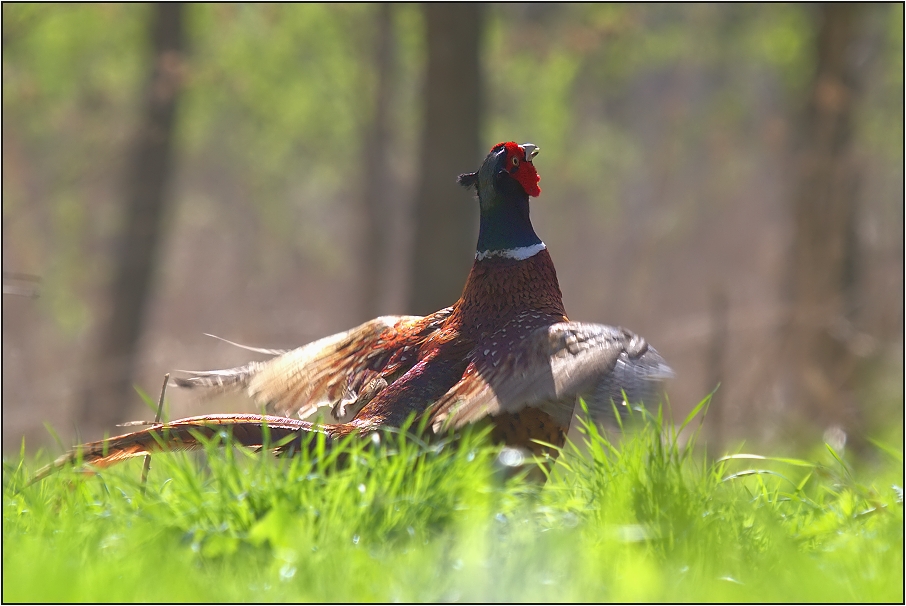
108 386
823 263
445 216
379 208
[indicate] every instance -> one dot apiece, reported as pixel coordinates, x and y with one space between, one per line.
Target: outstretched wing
549 368
327 371
186 434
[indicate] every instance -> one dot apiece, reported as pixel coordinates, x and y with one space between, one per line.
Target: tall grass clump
639 514
724 530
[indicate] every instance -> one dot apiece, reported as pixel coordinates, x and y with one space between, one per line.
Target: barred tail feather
216 382
184 434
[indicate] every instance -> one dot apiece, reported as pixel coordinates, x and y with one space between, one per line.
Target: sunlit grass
637 517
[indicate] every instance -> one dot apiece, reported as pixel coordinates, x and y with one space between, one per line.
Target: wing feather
326 371
549 369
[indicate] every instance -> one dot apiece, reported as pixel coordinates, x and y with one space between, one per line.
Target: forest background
726 180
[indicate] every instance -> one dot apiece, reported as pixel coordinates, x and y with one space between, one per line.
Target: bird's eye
515 160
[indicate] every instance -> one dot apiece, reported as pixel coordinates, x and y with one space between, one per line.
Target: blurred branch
22 285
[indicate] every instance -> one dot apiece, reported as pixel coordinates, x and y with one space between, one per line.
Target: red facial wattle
528 177
521 169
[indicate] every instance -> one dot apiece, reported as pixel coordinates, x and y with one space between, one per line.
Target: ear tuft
468 179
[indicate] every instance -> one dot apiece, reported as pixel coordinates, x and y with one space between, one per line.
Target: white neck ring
519 254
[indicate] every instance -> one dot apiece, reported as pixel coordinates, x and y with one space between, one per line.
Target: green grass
634 518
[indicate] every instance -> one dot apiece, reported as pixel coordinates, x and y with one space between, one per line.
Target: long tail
185 434
231 379
215 382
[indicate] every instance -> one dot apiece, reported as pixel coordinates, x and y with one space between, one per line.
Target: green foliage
638 517
594 81
294 74
71 80
71 59
279 95
277 98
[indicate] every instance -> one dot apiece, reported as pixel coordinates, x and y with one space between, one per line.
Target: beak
531 150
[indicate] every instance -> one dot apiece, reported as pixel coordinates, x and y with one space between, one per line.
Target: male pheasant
505 352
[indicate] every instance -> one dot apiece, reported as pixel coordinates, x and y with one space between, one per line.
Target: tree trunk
446 217
823 263
108 386
381 228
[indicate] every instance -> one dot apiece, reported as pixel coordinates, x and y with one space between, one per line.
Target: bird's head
507 169
504 182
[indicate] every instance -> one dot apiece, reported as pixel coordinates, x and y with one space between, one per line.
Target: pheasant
505 353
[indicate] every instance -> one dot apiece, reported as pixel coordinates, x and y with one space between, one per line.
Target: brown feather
549 369
185 434
326 371
505 352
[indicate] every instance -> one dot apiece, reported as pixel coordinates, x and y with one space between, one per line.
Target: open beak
531 150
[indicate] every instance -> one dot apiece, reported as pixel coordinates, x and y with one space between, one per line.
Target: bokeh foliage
70 87
277 98
653 121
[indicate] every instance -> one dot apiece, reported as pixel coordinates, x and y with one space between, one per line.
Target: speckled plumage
505 353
